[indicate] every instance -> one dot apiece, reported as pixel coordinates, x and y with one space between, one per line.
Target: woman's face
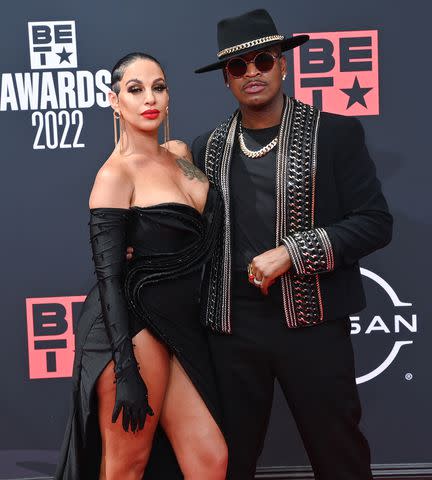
143 97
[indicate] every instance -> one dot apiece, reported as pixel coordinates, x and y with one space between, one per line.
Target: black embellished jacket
330 212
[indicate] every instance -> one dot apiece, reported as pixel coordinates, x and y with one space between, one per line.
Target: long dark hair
119 68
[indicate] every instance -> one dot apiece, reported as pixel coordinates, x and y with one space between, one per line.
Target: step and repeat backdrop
368 59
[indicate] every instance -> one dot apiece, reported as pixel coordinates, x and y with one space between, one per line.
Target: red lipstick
151 114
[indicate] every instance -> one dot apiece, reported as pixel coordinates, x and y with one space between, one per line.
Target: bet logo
382 332
51 335
338 72
52 45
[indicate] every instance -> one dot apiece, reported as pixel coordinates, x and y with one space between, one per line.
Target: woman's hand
131 392
129 253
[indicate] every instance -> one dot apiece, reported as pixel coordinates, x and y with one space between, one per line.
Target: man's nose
251 70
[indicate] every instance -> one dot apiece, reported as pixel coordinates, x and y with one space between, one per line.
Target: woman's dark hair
119 68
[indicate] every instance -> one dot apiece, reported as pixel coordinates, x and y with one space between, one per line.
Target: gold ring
250 270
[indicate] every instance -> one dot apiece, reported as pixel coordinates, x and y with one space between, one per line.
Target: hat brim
286 44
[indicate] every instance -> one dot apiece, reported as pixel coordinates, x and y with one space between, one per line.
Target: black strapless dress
171 244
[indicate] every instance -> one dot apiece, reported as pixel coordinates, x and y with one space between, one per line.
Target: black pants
315 369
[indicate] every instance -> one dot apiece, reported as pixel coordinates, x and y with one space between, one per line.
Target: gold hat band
252 43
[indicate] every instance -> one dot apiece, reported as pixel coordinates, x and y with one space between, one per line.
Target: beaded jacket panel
310 248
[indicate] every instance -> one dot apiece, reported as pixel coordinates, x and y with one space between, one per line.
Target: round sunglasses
263 61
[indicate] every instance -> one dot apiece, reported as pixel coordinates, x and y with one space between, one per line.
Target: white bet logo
52 45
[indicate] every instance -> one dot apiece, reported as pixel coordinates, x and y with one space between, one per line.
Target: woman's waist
172 295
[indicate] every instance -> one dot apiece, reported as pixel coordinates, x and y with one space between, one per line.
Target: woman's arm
112 188
109 214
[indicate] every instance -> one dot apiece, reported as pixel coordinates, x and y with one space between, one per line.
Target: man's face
256 88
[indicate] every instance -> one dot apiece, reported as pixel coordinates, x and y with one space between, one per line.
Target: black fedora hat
248 32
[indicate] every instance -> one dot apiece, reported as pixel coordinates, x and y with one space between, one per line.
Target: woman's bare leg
125 454
196 439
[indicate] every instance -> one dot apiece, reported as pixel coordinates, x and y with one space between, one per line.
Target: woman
141 353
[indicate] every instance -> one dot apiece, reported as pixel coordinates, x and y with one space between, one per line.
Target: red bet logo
338 72
51 335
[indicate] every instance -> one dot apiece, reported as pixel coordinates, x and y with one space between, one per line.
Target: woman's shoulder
179 149
113 185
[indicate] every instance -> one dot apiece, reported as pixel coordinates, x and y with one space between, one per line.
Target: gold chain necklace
255 153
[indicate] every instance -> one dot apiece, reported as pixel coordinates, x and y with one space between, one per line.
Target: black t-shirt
253 198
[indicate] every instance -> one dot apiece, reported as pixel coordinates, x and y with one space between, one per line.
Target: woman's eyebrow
136 80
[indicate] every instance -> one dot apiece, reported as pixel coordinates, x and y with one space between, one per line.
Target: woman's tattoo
190 170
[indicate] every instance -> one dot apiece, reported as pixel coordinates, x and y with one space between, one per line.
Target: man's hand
270 265
129 252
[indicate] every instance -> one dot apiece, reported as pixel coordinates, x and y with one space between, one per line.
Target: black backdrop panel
56 132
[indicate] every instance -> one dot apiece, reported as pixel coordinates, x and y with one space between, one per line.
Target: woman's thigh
191 429
154 363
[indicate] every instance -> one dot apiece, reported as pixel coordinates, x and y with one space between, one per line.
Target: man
302 206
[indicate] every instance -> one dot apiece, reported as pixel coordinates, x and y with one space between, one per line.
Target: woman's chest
181 184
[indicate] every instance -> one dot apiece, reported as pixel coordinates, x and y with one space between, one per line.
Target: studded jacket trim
217 163
311 251
309 247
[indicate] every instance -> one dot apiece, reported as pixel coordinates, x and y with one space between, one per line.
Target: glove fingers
141 418
149 410
116 412
126 418
133 419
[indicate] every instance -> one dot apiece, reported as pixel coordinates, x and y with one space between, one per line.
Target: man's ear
283 65
225 77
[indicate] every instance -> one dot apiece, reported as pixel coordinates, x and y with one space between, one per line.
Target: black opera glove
131 391
108 240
